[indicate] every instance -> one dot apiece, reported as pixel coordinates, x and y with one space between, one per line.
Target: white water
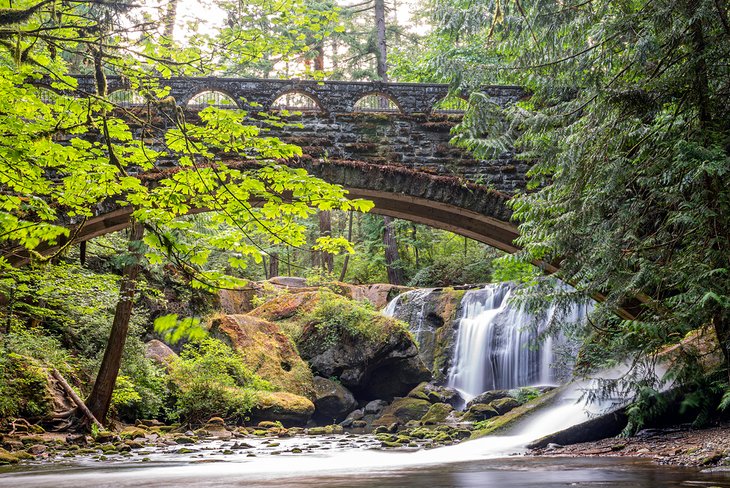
498 345
419 300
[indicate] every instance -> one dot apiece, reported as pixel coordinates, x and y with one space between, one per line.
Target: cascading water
414 314
498 345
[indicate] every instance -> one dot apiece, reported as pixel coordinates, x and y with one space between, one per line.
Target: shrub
210 380
23 387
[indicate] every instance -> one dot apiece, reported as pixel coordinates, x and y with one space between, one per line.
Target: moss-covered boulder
372 355
402 410
24 387
504 405
437 414
480 411
278 406
436 394
267 351
488 397
159 352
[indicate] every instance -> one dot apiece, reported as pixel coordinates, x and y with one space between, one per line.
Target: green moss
403 410
498 424
437 413
23 387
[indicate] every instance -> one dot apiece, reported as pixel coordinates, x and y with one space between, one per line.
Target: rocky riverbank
681 446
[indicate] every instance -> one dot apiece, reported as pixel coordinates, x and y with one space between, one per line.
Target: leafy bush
209 379
336 317
23 387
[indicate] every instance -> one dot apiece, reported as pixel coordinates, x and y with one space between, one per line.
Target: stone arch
297 100
451 104
126 98
212 97
377 102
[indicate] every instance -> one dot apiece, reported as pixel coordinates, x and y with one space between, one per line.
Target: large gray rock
332 401
384 368
488 397
159 352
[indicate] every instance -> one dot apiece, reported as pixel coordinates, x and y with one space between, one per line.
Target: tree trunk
101 395
347 256
392 258
325 230
170 18
722 330
381 46
274 265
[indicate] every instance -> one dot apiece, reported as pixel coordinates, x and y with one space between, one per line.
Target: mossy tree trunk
101 395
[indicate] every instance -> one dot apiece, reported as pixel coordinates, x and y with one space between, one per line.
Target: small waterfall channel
497 344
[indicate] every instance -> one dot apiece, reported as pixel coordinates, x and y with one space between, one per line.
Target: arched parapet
451 104
126 98
378 102
215 98
297 98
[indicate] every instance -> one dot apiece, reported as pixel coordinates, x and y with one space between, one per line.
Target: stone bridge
387 142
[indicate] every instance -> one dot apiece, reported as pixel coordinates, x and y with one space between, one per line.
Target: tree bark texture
101 395
325 230
392 257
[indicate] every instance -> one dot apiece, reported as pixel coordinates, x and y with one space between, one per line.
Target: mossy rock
286 408
504 405
488 397
402 410
502 422
7 457
437 414
132 433
183 439
267 350
480 412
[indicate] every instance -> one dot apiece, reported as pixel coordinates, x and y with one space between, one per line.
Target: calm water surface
501 473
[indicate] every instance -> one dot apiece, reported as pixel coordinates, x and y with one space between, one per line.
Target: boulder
267 350
372 355
488 397
375 406
278 406
479 412
159 352
437 394
332 401
504 405
402 410
437 414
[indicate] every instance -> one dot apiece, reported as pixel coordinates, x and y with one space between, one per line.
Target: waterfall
497 344
410 307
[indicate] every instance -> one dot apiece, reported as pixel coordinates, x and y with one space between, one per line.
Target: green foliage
209 379
173 330
627 132
525 394
338 318
23 387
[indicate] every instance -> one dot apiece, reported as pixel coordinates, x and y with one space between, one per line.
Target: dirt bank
683 445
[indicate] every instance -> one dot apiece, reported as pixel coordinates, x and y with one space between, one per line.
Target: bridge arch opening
296 101
126 98
377 102
213 98
451 104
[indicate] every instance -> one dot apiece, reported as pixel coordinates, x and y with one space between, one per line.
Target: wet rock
332 401
437 414
287 408
375 406
479 412
105 436
488 397
183 439
402 410
37 449
150 423
132 433
436 394
7 457
504 405
359 424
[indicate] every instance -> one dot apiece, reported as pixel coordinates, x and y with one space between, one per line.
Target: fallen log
79 403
